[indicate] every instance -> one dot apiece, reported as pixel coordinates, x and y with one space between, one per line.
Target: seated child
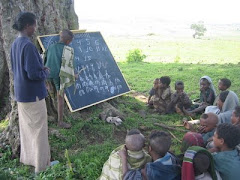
164 165
207 96
223 85
208 123
179 99
198 164
136 156
190 139
226 103
227 159
162 96
235 118
152 92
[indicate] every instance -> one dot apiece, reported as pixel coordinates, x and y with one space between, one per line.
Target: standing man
59 58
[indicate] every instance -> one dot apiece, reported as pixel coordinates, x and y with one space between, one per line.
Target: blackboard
99 79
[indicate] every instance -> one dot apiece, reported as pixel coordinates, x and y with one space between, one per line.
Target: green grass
90 140
209 50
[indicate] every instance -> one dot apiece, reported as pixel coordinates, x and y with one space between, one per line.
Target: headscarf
192 139
210 82
187 166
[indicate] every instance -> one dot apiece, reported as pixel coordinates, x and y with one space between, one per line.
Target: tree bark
53 16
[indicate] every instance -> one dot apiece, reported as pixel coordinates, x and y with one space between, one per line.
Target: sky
209 11
153 16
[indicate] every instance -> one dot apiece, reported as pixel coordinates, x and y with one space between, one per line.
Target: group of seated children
164 101
131 162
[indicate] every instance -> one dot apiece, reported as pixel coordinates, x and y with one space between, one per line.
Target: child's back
136 156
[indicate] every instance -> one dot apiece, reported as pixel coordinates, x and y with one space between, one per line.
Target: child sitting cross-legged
227 157
179 99
198 164
164 166
135 155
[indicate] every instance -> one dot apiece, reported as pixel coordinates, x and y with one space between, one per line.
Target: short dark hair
133 131
223 95
230 134
23 19
165 80
201 163
134 140
226 82
179 83
237 111
204 116
204 79
66 34
160 142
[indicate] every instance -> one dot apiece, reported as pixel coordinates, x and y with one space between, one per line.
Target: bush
135 56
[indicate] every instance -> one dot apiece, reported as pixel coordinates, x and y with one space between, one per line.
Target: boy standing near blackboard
59 58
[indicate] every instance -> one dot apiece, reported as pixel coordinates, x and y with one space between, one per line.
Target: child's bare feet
64 125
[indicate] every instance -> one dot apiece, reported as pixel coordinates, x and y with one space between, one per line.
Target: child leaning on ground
162 97
135 155
227 157
179 99
207 96
164 166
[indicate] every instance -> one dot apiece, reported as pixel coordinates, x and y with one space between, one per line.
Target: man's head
224 84
226 136
134 140
66 36
235 118
179 86
201 163
208 121
204 84
159 143
156 83
222 97
164 82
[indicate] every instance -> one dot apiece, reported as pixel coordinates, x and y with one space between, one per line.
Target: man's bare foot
64 125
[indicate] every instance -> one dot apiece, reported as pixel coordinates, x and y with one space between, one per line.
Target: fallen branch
170 128
174 136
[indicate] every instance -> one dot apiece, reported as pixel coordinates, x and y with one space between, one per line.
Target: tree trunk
53 16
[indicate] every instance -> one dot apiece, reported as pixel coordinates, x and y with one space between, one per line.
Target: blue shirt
227 163
28 72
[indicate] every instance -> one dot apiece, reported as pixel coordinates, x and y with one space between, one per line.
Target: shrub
135 56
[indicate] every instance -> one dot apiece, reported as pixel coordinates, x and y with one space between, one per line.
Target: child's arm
123 158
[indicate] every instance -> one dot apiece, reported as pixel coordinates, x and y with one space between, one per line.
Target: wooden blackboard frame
65 96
